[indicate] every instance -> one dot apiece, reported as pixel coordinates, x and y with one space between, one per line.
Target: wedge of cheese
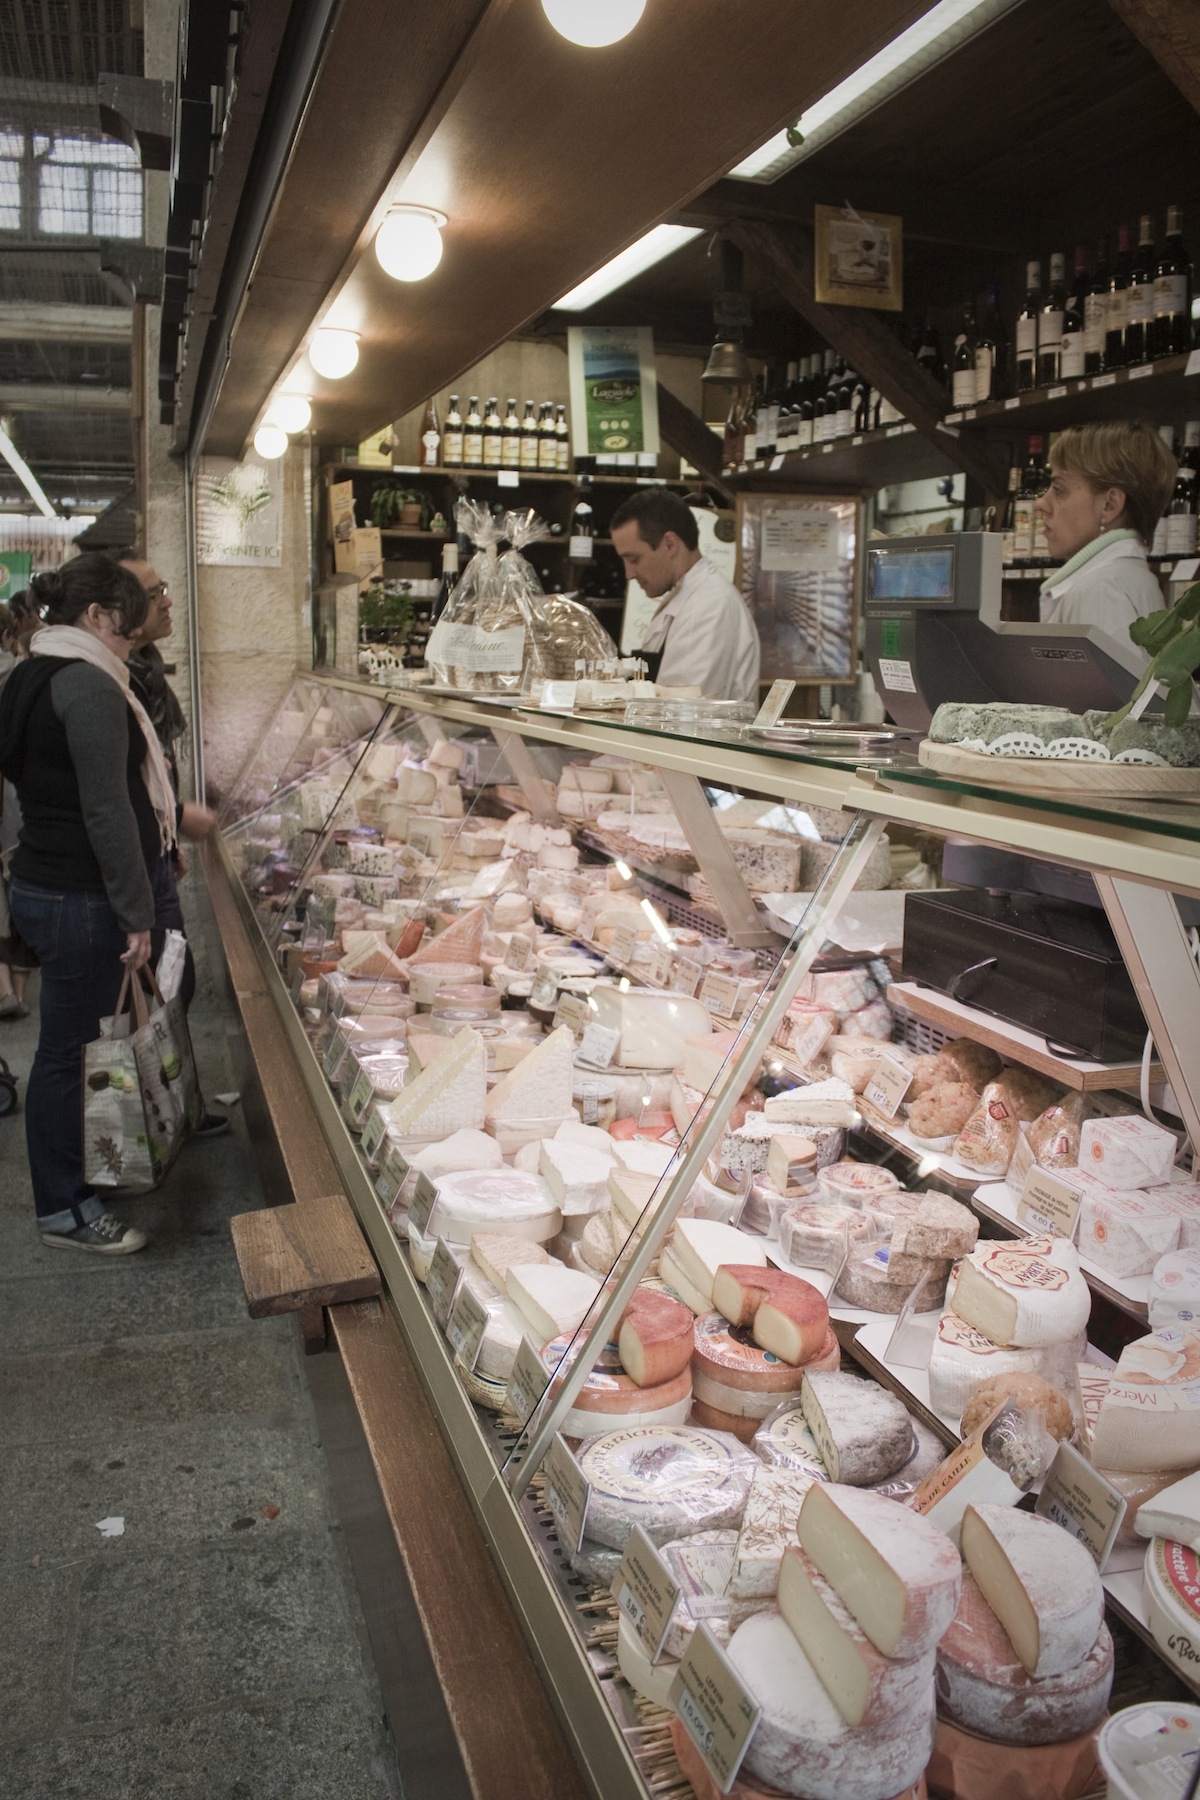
552 1298
461 942
820 1103
1042 1585
576 1175
655 1339
540 1085
863 1432
899 1575
448 1095
1149 1415
653 1026
867 1687
700 1246
785 1315
496 1252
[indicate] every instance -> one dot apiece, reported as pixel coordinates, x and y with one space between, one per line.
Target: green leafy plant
388 500
1172 640
387 607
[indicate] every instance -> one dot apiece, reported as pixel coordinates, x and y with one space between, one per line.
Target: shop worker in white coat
1109 486
702 634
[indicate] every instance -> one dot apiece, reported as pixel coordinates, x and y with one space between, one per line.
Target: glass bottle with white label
431 438
1027 329
1074 338
452 445
583 530
1050 323
529 438
963 381
1172 291
1095 313
510 449
493 435
1181 512
1117 313
473 435
562 434
547 441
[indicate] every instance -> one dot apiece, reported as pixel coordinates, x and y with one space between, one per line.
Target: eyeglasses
158 592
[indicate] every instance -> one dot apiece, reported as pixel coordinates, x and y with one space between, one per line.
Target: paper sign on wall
801 540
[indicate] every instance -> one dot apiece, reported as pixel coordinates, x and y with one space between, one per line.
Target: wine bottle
547 442
583 529
928 351
431 438
768 420
1031 483
562 434
1116 314
448 582
510 449
1181 511
989 350
843 418
750 429
473 435
1050 323
1008 551
1139 311
529 438
1095 313
452 449
1039 477
1158 544
1173 291
789 410
964 389
1027 329
804 408
493 435
1071 363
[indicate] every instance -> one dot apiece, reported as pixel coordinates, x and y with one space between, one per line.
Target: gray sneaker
105 1236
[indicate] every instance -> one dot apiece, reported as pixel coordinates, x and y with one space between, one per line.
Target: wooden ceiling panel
548 159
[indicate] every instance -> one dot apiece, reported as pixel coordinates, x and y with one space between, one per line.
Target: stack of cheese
1171 1577
844 1669
822 1113
643 1379
1014 1305
752 1352
913 1237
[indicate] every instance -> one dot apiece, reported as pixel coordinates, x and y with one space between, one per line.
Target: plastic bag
479 642
574 636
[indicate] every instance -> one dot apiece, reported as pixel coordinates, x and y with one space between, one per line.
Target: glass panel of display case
313 724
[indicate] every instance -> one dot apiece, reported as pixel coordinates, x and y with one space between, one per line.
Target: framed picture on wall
797 570
858 258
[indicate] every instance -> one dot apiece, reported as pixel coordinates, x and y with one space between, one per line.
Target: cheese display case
714 1238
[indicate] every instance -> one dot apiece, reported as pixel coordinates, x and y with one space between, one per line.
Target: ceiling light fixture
25 475
408 244
270 441
946 27
333 353
593 23
658 244
291 412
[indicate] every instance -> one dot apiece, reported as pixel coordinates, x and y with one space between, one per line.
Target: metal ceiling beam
35 322
36 397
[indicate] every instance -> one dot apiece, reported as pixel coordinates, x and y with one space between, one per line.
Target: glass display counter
653 1135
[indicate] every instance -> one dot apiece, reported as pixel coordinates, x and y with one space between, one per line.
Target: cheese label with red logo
1023 1293
1171 1585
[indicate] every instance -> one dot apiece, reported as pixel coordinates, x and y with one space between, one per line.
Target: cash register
934 633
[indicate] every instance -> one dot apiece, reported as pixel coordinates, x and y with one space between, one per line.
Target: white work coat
1113 589
707 637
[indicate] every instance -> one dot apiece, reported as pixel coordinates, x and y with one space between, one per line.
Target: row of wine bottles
813 401
1175 534
484 440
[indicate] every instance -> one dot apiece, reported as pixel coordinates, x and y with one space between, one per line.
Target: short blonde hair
1126 454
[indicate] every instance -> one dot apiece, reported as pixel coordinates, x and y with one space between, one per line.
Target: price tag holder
1104 381
659 972
571 1011
520 951
360 1096
393 1174
466 1325
558 696
1056 393
720 994
1140 372
808 1044
374 1133
567 1494
442 1283
771 710
646 1592
545 986
715 1707
887 1087
424 1200
507 478
1049 1204
687 976
598 1045
1077 1497
335 1052
527 1381
624 942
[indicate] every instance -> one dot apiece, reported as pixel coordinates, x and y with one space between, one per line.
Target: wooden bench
303 1258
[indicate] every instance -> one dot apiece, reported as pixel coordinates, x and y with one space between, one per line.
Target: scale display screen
918 577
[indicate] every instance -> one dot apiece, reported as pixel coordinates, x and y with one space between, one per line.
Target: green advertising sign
614 395
15 571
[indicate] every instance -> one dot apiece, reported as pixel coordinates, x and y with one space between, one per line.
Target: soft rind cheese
1124 1232
768 1528
540 1085
670 1480
801 1744
552 1298
461 1151
899 1575
1149 1418
1041 1583
983 1687
447 1096
1171 1588
817 1234
576 1176
496 1252
786 1316
705 1058
1023 1292
820 1103
461 942
864 1434
745 1149
700 1246
962 1357
868 1688
654 1027
1175 1291
1173 1513
493 1199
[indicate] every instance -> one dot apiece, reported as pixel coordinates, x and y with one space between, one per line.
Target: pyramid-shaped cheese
460 942
540 1085
448 1095
372 959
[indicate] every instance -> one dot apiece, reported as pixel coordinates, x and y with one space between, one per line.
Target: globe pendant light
270 441
594 23
291 412
409 242
333 353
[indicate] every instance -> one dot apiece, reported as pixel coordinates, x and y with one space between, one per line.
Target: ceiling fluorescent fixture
25 475
658 244
944 28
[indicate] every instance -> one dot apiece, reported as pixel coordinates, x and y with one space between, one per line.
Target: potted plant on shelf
405 507
386 612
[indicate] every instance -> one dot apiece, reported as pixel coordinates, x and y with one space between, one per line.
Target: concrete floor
216 1649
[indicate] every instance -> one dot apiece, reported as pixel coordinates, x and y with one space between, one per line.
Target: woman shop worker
1109 486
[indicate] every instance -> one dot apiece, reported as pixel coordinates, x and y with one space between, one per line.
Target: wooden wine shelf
1015 1043
1163 390
874 459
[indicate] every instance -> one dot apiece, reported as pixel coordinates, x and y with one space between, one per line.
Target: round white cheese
1024 1292
653 1681
1175 1291
493 1199
1171 1587
962 1357
670 1480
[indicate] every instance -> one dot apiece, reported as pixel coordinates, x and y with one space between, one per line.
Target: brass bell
727 365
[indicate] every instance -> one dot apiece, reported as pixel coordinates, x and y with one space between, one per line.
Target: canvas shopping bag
140 1094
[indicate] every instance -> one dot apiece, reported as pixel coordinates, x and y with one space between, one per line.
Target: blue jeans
79 944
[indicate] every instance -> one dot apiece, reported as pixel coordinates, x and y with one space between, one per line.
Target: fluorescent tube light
658 244
25 475
945 27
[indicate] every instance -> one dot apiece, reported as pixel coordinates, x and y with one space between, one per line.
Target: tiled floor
215 1650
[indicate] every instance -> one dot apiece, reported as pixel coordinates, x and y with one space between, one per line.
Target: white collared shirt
1116 587
706 634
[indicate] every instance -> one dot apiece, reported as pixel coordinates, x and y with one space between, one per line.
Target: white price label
374 1133
1077 1497
567 1495
599 1045
1141 370
442 1282
520 951
715 1707
720 993
423 1202
360 1096
571 1011
659 972
558 696
887 1087
646 1592
1104 381
527 1381
687 975
507 478
466 1325
624 942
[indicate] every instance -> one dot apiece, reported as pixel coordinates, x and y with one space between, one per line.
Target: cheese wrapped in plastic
989 1137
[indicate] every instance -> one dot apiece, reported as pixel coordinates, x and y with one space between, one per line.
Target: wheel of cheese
898 1574
801 1744
814 1233
1171 1586
863 1432
1026 1292
786 1439
609 1397
493 1199
864 1283
727 1356
679 1283
695 1770
714 1418
983 1687
785 1316
1041 1584
854 1183
656 1337
962 1357
670 1480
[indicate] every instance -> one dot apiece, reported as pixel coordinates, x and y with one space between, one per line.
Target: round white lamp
291 412
270 441
409 242
333 353
594 23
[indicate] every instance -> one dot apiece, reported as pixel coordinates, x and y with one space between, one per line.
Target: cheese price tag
1077 1497
887 1087
442 1282
646 1592
360 1096
466 1325
598 1045
373 1133
393 1173
520 949
419 838
423 1202
545 986
567 1494
659 972
687 976
771 710
623 944
720 994
807 1043
297 981
507 478
527 1381
1049 1204
715 1707
558 696
335 1053
571 1011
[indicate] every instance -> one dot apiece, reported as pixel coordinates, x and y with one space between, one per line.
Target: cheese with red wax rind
655 1339
899 1575
1042 1585
785 1315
